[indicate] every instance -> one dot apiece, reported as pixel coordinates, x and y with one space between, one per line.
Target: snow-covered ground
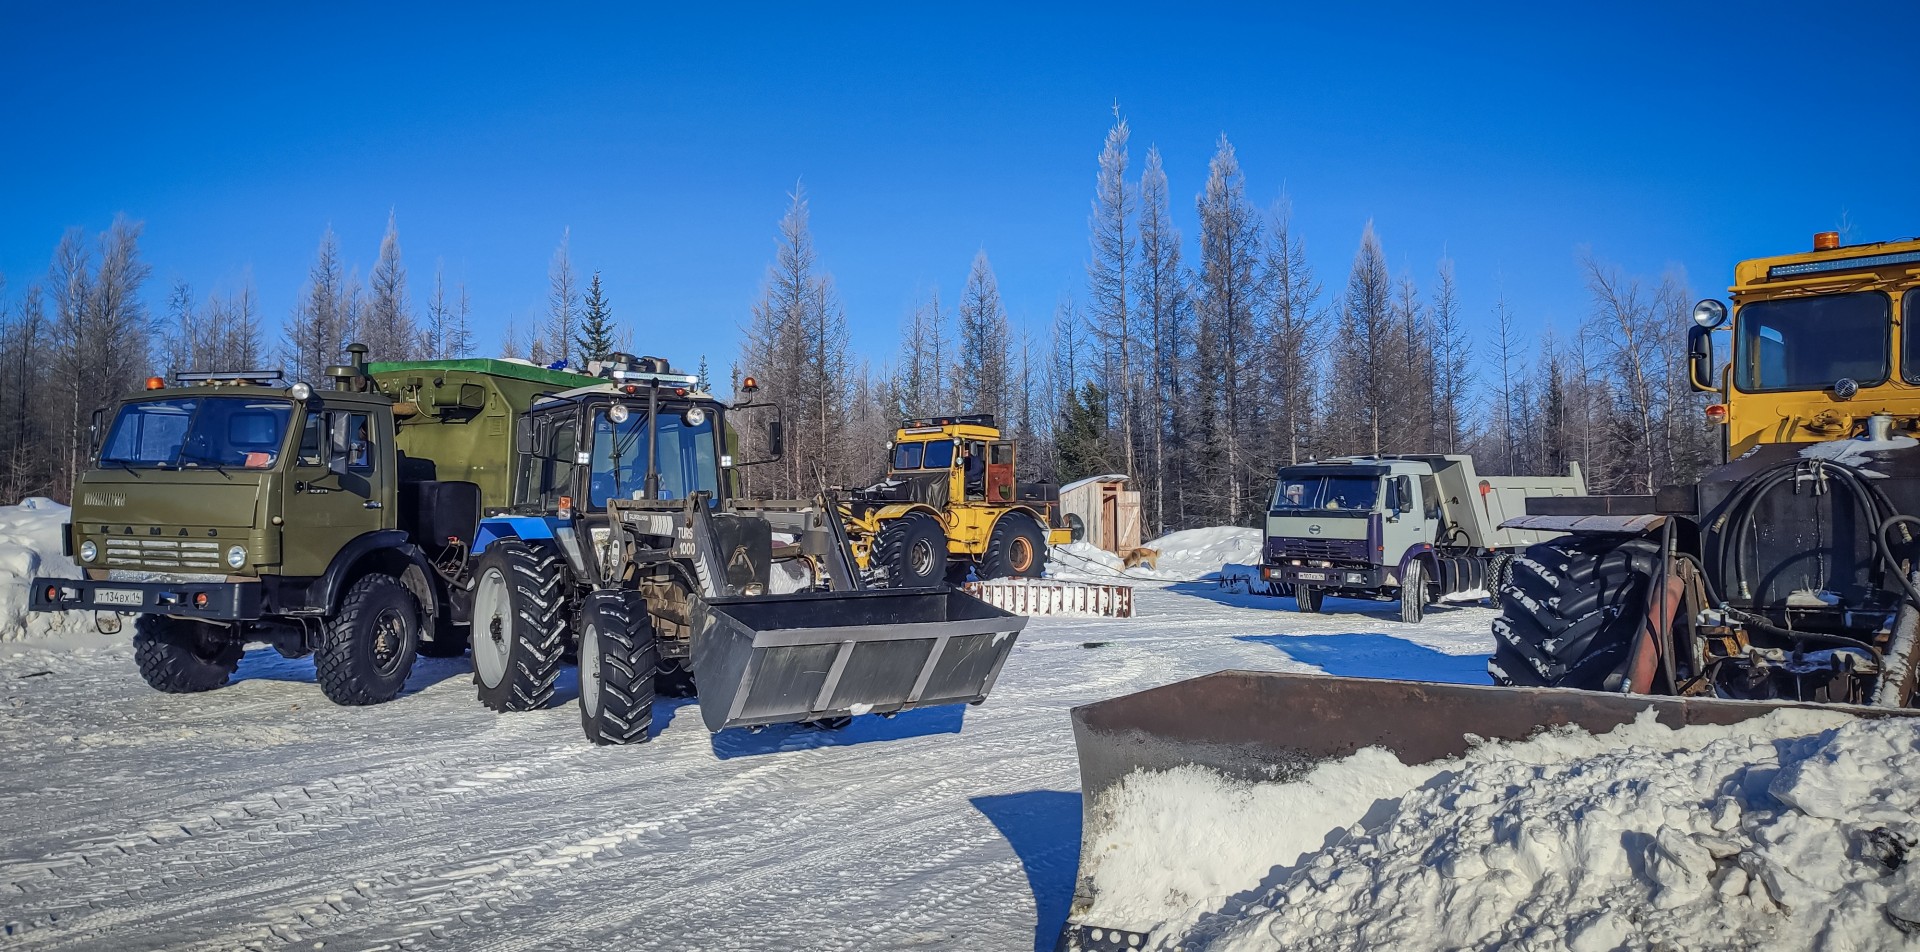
261 816
29 547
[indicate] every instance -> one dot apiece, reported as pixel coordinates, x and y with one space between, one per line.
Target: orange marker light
1826 241
1717 413
749 385
155 383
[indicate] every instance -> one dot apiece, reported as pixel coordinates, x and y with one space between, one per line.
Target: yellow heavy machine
950 507
1784 576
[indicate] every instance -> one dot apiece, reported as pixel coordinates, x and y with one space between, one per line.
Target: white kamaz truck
1415 528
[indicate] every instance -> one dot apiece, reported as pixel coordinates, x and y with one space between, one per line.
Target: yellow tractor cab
951 506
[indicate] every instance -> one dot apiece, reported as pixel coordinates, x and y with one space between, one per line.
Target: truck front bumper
1320 576
223 601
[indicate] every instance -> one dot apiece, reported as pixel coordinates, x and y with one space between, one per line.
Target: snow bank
1784 832
1185 556
30 546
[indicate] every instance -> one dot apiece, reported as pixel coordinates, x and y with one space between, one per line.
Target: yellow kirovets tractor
951 507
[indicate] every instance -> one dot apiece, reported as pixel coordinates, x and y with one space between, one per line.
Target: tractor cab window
939 455
193 432
1325 493
907 455
1809 343
684 456
1910 335
547 472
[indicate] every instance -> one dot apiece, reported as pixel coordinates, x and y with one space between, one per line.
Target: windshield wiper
216 464
123 464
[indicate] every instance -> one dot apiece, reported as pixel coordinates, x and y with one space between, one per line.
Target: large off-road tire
1499 571
1307 598
673 677
618 658
1569 611
519 631
368 647
1413 593
913 551
1017 548
183 657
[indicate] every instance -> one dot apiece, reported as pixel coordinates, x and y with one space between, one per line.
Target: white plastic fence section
1046 596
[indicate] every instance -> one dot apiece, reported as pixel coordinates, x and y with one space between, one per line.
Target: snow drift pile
1184 556
1790 831
30 546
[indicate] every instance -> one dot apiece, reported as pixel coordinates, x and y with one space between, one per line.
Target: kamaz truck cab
233 507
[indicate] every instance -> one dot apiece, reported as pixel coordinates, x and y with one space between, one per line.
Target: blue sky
1659 135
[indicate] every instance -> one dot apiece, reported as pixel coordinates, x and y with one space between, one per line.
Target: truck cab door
1000 472
1406 517
342 486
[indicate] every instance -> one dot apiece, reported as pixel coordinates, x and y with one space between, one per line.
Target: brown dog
1142 556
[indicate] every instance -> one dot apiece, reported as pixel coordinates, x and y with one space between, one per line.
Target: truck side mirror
337 463
1700 359
776 439
96 431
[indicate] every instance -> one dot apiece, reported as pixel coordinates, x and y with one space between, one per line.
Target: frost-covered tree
1360 361
322 324
563 305
1160 293
1291 329
981 383
387 326
1109 291
1228 292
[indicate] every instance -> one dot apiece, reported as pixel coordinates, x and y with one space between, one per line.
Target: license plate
1311 576
116 596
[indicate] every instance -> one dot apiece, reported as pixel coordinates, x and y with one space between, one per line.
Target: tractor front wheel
1017 549
1569 611
913 550
518 630
617 661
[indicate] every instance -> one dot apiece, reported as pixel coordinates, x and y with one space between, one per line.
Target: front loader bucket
775 659
1268 726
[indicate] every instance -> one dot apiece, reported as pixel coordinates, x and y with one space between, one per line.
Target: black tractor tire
368 647
1499 570
1016 549
673 677
1413 593
1307 598
179 656
618 658
913 551
1569 611
519 626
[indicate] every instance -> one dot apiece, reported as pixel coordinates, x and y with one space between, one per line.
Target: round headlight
89 551
237 556
1709 313
618 413
696 416
300 391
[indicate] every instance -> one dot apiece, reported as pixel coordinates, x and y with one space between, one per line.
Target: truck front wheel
617 661
518 631
1413 593
1307 598
183 657
368 648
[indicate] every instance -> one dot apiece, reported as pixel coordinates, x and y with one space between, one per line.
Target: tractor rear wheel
1569 611
183 657
367 649
1413 593
617 661
518 630
1017 549
913 550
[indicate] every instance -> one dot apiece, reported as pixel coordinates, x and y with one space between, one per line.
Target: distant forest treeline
1197 367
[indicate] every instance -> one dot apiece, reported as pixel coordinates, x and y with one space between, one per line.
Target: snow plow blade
774 659
1047 596
1262 726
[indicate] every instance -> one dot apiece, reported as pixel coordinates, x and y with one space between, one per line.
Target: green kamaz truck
537 515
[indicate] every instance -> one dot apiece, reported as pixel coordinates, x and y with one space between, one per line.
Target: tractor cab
964 454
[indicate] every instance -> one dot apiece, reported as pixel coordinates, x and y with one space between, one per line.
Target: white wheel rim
590 670
492 627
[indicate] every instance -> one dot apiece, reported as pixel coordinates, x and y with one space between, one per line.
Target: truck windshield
1808 343
687 460
1320 493
188 432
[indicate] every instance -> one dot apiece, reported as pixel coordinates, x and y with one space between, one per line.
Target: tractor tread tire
628 659
1570 611
893 550
536 593
344 663
176 656
998 560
